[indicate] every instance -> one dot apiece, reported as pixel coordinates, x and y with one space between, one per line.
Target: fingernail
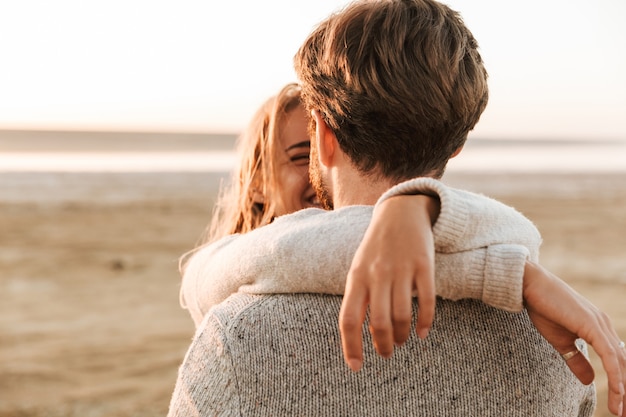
620 409
423 333
355 364
621 389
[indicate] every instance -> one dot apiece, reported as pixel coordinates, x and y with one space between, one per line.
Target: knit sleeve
484 239
308 251
468 220
493 274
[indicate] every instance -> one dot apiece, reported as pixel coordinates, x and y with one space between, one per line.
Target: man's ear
325 138
458 151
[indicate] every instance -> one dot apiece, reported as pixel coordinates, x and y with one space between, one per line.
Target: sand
90 323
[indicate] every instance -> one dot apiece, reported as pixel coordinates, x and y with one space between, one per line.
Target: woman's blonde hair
249 200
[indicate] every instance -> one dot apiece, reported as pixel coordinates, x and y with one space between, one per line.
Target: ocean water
532 156
114 167
170 152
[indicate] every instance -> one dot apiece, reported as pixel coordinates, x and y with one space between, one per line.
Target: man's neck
354 189
359 190
350 187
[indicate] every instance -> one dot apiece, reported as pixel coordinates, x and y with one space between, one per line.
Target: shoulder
269 311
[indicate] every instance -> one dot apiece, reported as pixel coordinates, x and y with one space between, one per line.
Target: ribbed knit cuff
504 276
460 275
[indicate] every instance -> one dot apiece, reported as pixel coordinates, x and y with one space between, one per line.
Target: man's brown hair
400 83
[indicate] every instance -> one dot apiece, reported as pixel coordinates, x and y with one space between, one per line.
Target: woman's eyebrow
303 144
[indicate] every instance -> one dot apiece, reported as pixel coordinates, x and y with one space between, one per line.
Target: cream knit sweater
481 247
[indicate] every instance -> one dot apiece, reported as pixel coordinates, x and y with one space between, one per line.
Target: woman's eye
300 159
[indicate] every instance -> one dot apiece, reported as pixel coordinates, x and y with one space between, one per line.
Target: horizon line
234 135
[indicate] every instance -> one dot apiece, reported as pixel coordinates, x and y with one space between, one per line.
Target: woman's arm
312 250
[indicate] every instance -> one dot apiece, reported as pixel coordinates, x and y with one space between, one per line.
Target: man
390 84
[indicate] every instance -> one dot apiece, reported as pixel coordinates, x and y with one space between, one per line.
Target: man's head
400 83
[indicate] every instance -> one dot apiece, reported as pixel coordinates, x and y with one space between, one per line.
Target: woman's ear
256 191
458 151
325 138
257 196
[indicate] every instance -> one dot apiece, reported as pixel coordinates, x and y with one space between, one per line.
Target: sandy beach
91 324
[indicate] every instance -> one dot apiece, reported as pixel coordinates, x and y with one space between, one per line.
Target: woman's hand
562 315
395 260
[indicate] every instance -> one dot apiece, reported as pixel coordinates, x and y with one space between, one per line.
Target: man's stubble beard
317 180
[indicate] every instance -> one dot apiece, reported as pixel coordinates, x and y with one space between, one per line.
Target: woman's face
292 165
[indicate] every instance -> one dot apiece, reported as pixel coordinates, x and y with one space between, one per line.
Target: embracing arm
307 251
312 250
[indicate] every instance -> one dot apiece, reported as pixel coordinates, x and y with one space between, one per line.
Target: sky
557 67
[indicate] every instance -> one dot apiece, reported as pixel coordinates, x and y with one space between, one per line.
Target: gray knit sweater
280 354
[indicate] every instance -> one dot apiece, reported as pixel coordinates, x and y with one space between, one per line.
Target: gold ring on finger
569 355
